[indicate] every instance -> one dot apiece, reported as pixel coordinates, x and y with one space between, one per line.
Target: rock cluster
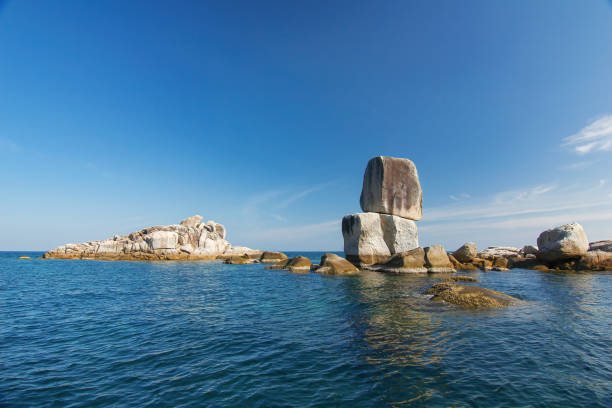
189 240
392 200
563 248
331 264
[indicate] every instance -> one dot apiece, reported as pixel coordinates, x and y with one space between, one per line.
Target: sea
78 333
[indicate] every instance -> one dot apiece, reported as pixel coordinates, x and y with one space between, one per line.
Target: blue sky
262 115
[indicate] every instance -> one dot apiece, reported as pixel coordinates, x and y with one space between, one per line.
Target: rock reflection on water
400 327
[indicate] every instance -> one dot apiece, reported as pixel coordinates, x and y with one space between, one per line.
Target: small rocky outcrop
332 264
469 296
391 186
493 252
596 260
269 257
299 264
239 260
412 261
189 240
279 265
437 260
466 253
562 243
371 238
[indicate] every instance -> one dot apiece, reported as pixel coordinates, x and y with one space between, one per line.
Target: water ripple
191 334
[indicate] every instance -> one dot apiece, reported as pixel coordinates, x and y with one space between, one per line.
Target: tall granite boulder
189 240
562 243
371 238
391 186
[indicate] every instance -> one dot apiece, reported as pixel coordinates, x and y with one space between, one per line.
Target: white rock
391 186
162 240
561 243
492 252
371 238
192 221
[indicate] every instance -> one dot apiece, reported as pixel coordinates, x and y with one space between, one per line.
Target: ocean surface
205 334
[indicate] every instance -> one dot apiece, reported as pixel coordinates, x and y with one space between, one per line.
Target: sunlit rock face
371 238
391 186
191 239
565 242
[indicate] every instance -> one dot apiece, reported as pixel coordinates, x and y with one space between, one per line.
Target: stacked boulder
392 200
385 236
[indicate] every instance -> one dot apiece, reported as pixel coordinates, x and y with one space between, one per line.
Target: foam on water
191 334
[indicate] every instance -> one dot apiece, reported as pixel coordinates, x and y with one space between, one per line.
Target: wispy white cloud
301 194
459 197
516 217
578 165
597 136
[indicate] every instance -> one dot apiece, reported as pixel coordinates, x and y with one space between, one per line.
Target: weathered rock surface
299 264
561 243
597 260
272 257
469 296
371 238
190 240
494 252
605 246
466 253
192 221
437 261
332 264
412 261
391 186
461 278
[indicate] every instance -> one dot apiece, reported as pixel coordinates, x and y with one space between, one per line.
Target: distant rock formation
189 240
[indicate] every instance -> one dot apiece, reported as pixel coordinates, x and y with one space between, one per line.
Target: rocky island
189 240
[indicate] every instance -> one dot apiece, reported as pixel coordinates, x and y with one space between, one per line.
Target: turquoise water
205 334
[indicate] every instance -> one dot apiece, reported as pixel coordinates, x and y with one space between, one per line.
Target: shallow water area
186 334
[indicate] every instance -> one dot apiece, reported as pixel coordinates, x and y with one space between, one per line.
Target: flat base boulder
469 296
371 238
332 264
405 262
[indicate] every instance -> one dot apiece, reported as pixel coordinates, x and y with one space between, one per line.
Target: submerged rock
190 240
561 243
461 278
391 186
332 264
469 296
371 238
